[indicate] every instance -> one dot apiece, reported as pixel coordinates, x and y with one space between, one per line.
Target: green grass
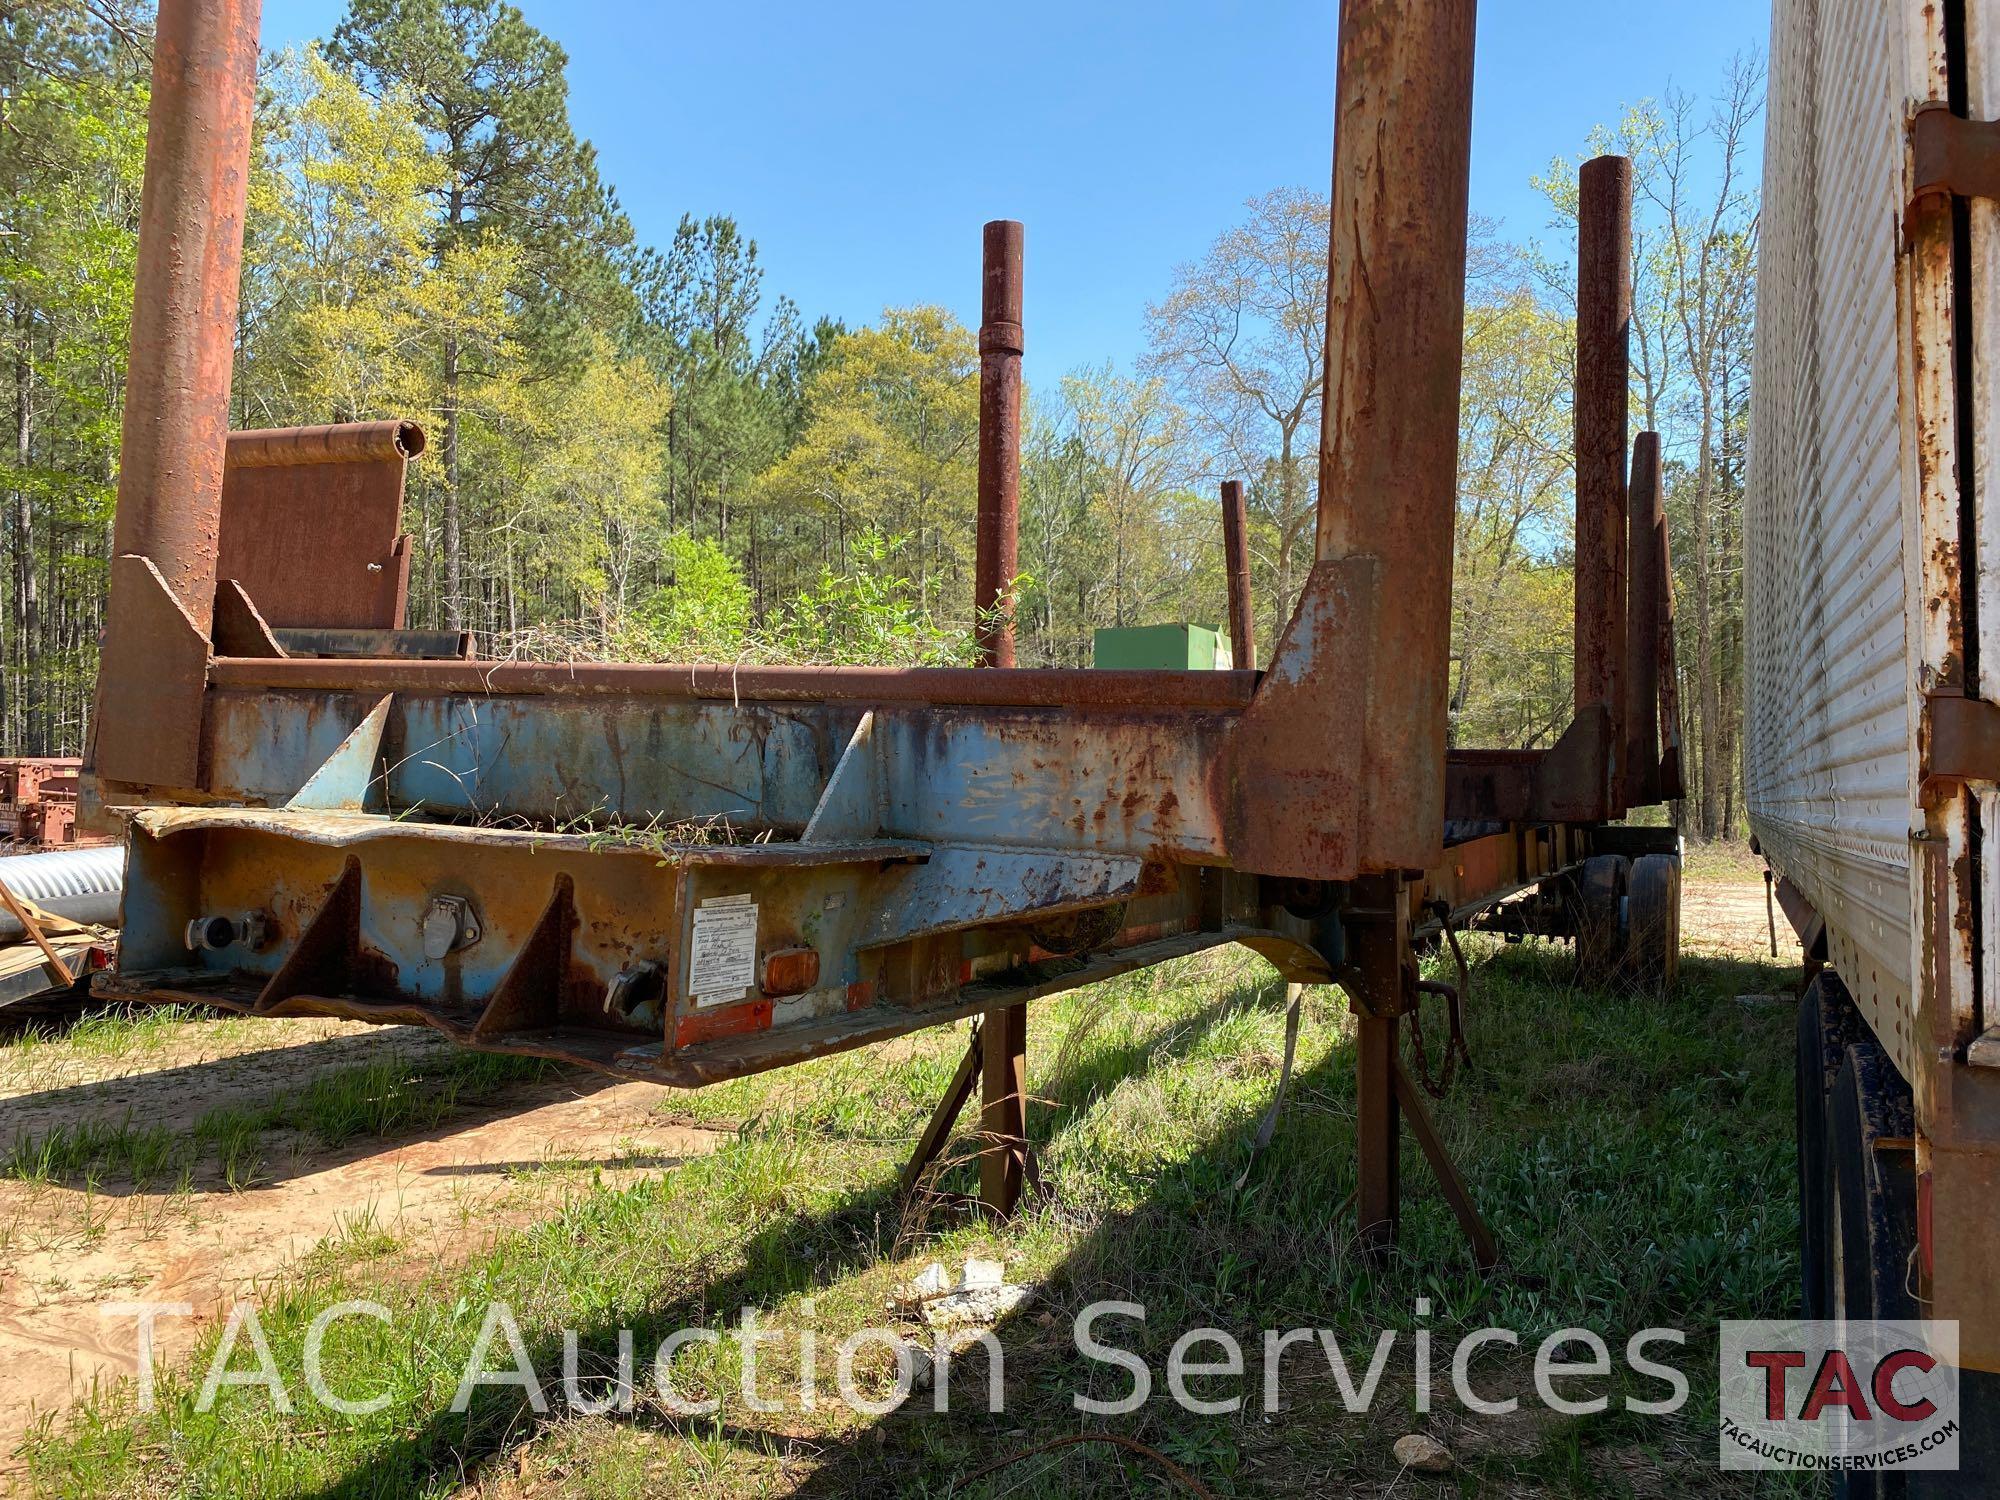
1728 860
1634 1157
105 1032
390 1097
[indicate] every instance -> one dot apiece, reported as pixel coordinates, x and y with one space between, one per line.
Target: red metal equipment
38 803
330 814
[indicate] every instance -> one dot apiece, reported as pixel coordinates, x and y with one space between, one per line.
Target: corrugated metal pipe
84 885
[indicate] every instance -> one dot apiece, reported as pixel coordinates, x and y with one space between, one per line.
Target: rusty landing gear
996 1061
1381 983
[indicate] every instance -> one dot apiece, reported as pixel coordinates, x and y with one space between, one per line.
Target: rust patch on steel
530 995
336 443
1959 740
311 520
698 1026
1646 618
1389 427
1950 154
1562 783
154 663
1080 689
240 627
1293 790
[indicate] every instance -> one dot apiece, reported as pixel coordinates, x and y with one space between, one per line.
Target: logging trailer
328 813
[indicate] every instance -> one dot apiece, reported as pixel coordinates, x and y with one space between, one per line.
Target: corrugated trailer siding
1826 743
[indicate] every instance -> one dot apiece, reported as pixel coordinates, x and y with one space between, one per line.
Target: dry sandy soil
69 1250
1729 917
65 1251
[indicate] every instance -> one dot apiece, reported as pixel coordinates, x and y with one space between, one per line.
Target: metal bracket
346 780
1951 154
1964 739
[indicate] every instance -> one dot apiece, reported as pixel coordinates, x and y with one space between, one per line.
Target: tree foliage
645 451
72 144
1695 226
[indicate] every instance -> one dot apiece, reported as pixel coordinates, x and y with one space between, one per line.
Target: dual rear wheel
1626 914
1858 1219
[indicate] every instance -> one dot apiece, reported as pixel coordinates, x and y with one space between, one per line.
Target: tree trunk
454 598
27 601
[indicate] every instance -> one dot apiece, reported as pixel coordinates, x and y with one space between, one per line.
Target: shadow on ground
1196 1252
251 1080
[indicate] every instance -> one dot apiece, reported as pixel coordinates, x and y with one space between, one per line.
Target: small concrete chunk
1424 1454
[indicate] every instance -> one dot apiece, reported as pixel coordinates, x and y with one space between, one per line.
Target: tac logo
1859 1396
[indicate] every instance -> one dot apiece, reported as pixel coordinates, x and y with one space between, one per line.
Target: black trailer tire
1653 923
1827 1025
1872 1218
1809 1115
1873 1207
1597 916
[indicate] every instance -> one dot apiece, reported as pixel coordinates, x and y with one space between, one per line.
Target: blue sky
863 146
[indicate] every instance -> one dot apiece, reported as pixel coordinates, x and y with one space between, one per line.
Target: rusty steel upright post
1388 462
177 389
1672 788
1644 622
1003 1075
1236 557
1000 347
184 307
1603 411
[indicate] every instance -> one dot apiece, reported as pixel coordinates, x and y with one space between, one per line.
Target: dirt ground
67 1250
1729 916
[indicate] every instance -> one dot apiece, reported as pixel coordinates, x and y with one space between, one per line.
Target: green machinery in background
1178 648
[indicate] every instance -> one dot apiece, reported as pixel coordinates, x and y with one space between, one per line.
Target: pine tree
490 91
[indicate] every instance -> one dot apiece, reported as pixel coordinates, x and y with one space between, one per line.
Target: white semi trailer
1872 616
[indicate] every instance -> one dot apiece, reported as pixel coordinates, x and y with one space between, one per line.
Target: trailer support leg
931 1143
1003 1115
997 1057
1378 1191
1378 990
1380 980
1485 1250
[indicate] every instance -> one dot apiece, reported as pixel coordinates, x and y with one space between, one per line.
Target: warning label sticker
722 961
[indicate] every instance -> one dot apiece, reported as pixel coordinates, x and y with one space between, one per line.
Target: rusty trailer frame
330 814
